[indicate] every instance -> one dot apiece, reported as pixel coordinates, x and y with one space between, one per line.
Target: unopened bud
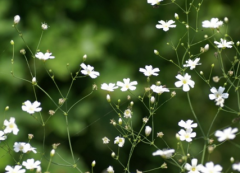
206 47
152 99
22 51
201 72
173 94
61 101
176 16
84 57
131 103
216 79
12 42
6 108
108 98
230 73
34 81
238 43
30 136
164 165
177 136
113 154
120 121
55 145
93 163
16 19
51 112
231 159
156 52
158 83
225 19
160 134
205 36
148 130
52 152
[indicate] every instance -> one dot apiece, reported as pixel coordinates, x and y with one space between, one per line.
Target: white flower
23 147
210 168
214 23
31 108
31 164
16 19
154 2
186 135
226 134
223 44
149 70
34 81
105 140
128 113
194 168
159 89
10 126
165 25
89 70
218 93
188 124
184 81
148 130
206 47
192 64
110 169
44 26
45 56
2 136
15 169
236 166
165 153
109 87
120 141
127 85
219 101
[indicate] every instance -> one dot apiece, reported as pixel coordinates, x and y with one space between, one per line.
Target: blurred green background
118 37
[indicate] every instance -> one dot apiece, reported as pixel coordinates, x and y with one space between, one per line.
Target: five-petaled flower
165 153
194 168
109 87
211 168
31 164
15 169
213 23
165 25
127 85
188 124
45 56
149 70
10 126
223 44
23 147
236 166
128 113
186 135
89 70
120 141
105 140
226 134
192 63
31 108
159 89
184 81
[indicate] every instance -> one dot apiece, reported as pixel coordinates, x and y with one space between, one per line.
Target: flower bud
148 130
51 112
16 19
205 36
152 99
158 83
120 121
30 136
52 152
145 120
93 163
113 154
216 79
61 101
176 16
238 43
160 134
230 73
44 26
156 52
173 94
206 47
225 19
231 159
12 42
131 103
108 98
55 145
177 136
6 108
22 51
84 57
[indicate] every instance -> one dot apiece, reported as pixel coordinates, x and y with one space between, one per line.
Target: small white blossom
2 136
154 2
236 166
31 164
10 126
120 141
223 44
44 26
128 113
188 124
127 85
194 168
16 19
31 108
226 134
211 168
89 70
159 89
186 135
192 64
110 169
184 81
218 93
15 169
148 130
149 70
105 140
165 153
213 23
23 147
109 87
165 25
45 56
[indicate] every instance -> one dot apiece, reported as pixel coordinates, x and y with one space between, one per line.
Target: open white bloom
159 89
186 135
31 164
210 168
109 87
213 23
2 136
226 134
45 56
10 126
16 19
188 124
184 81
154 2
236 166
219 101
165 25
194 168
148 130
15 169
105 140
31 108
149 70
120 141
44 26
127 85
218 93
89 70
128 113
23 147
192 64
110 169
165 153
223 44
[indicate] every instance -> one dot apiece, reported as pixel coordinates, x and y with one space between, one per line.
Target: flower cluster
218 96
187 133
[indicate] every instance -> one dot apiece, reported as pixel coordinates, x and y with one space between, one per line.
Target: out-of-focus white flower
224 44
89 70
226 134
44 26
2 136
127 85
213 23
10 126
154 2
128 113
211 168
120 141
192 63
149 70
186 135
148 130
110 169
105 140
188 124
16 19
194 168
31 108
109 87
184 81
31 164
15 169
165 153
44 56
236 166
159 89
165 25
23 147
